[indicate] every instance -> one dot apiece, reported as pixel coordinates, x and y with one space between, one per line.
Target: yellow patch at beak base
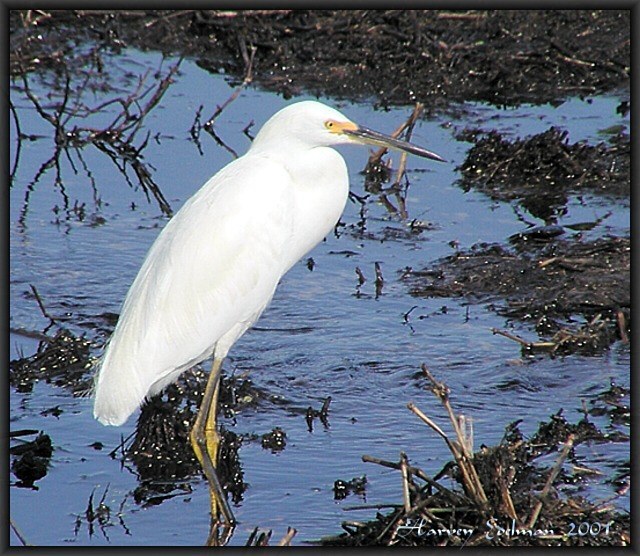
340 127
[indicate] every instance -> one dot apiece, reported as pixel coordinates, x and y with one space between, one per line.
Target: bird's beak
370 137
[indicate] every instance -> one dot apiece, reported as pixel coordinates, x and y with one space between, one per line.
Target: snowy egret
215 266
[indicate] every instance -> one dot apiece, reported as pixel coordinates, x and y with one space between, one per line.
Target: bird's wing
213 268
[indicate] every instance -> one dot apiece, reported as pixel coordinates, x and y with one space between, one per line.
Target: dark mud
542 171
436 57
342 488
31 458
63 360
575 293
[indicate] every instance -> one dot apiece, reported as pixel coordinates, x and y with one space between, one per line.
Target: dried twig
41 305
261 539
115 139
461 449
504 478
324 410
18 139
219 533
377 155
411 122
428 421
369 507
34 17
404 471
286 540
552 477
379 279
246 13
622 327
416 471
465 15
17 532
248 78
524 343
165 17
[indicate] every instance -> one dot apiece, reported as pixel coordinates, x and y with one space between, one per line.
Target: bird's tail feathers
117 390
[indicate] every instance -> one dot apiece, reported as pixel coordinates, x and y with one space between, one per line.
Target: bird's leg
211 429
205 442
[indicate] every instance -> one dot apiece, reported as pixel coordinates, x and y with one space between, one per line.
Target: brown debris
161 451
32 458
543 284
62 359
504 497
262 538
430 56
543 169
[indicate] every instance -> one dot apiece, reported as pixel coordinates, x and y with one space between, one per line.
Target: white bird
215 266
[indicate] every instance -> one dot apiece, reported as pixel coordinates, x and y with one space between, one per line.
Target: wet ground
391 57
506 271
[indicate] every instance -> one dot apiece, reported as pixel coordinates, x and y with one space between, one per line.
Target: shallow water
320 337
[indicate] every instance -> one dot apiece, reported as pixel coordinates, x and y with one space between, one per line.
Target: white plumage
215 266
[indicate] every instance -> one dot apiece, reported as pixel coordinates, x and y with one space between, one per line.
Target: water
321 336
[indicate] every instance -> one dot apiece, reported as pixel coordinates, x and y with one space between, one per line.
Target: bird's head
309 124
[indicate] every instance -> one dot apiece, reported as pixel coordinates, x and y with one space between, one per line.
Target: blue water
318 337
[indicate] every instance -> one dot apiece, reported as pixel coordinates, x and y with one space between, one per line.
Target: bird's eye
329 124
